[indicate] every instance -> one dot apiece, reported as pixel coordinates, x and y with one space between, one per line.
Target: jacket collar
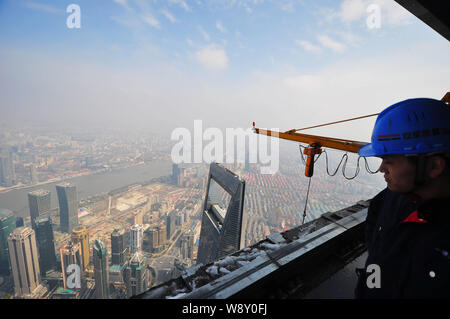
436 210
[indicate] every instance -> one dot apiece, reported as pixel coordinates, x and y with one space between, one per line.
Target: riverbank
87 185
4 190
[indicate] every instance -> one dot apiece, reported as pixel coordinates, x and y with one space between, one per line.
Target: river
88 185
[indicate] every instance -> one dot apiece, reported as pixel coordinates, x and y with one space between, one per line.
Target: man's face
399 173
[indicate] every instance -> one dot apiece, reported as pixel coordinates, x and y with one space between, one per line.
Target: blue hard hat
414 126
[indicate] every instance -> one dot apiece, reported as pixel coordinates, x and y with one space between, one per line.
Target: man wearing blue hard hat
408 223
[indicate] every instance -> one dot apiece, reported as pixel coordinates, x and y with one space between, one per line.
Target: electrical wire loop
343 162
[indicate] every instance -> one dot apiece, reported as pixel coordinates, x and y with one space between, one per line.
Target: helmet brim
367 151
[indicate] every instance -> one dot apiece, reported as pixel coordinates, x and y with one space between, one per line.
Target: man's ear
436 166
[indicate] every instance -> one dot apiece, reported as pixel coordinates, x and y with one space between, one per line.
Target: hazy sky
163 64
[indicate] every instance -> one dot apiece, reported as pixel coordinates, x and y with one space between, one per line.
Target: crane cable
336 122
344 158
306 201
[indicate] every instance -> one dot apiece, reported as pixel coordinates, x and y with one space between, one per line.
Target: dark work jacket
410 242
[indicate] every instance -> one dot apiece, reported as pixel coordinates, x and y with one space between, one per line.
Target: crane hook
310 152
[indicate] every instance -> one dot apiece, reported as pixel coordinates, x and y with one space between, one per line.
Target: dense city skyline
168 207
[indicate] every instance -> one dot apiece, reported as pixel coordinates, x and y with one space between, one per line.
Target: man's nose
382 168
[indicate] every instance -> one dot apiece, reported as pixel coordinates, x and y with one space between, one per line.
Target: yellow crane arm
315 144
319 141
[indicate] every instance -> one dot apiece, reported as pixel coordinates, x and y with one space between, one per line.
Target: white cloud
137 18
352 10
394 13
204 33
350 38
329 43
182 4
212 57
288 7
220 27
308 46
169 16
305 82
124 3
246 4
150 20
42 7
391 12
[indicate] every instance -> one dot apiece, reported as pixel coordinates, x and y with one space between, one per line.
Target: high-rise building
80 235
162 235
150 240
247 157
72 266
138 217
7 171
24 262
46 244
221 232
33 174
19 222
100 270
136 275
7 226
62 293
171 223
116 274
175 174
187 245
39 203
179 218
68 206
136 237
155 238
118 247
180 181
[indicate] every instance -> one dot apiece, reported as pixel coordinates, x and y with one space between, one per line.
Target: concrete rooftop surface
297 263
